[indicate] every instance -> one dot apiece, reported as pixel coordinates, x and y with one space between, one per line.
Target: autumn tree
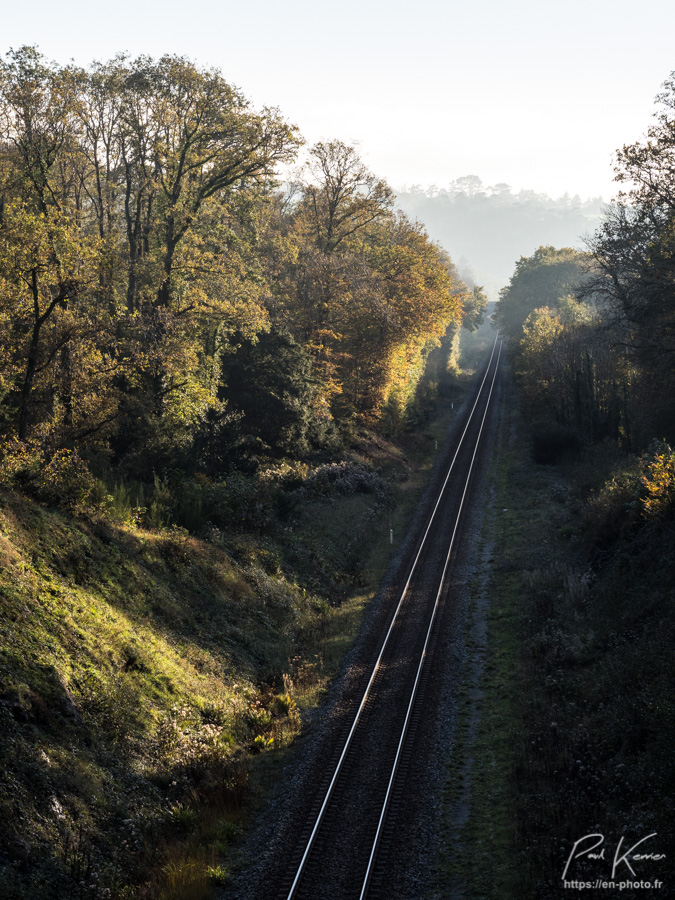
128 192
341 195
366 289
571 374
47 259
142 232
422 295
538 280
194 136
475 305
634 253
336 198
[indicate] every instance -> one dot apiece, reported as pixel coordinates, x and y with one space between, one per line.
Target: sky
532 94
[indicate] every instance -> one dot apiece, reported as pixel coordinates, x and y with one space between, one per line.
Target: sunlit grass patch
153 682
137 687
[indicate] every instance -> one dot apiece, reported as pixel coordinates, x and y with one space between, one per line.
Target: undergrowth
148 670
162 643
577 717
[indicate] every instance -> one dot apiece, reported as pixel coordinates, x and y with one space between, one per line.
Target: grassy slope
144 673
132 672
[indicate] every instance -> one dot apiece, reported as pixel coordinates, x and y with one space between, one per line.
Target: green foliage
634 257
132 291
634 500
127 503
475 305
571 375
130 689
66 481
60 479
600 362
207 320
218 874
20 462
365 290
285 703
270 381
539 280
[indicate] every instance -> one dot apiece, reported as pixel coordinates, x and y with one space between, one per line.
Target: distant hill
487 229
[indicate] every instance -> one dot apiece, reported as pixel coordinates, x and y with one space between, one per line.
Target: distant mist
486 229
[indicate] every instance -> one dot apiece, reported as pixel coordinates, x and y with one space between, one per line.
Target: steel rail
376 667
385 803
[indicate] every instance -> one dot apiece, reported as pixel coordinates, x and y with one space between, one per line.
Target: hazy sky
533 94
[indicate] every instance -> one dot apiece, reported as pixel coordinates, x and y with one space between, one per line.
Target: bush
632 497
269 381
20 462
62 480
344 478
658 479
67 481
187 746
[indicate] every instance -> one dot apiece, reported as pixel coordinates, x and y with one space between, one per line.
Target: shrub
611 513
63 479
218 874
20 462
344 478
639 493
188 746
269 380
658 479
67 481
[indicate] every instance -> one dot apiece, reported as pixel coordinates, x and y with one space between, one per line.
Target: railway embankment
565 716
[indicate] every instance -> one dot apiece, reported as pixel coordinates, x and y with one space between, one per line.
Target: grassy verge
568 725
476 857
131 695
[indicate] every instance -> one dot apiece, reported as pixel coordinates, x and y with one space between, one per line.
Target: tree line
593 333
166 302
488 226
592 338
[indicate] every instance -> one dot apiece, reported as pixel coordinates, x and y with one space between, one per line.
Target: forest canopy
153 268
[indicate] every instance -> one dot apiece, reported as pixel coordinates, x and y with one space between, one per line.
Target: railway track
344 831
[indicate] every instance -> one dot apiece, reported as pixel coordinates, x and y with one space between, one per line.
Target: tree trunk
67 389
31 364
164 292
